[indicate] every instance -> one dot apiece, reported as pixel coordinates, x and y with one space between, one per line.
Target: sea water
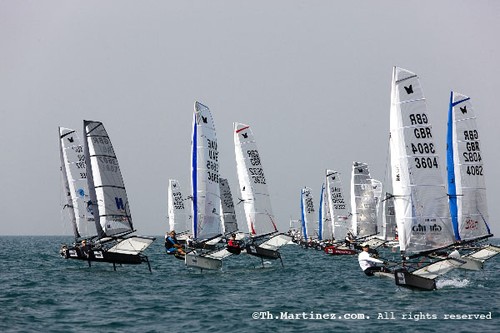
43 292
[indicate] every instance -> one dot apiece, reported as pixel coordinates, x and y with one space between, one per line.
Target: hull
333 250
100 255
258 251
406 279
202 262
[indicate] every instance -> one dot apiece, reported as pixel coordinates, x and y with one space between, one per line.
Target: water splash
452 282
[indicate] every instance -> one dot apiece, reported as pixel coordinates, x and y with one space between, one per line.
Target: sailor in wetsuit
172 245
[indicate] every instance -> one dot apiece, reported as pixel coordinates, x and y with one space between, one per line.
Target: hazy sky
312 78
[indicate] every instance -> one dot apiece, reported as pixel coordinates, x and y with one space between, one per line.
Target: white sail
466 183
337 205
109 202
75 183
205 175
363 204
420 198
389 230
253 183
308 214
177 215
325 231
228 212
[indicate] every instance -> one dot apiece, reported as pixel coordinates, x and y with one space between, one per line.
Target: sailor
172 245
85 248
369 264
350 241
233 246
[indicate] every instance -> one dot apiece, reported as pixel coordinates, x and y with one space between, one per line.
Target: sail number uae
473 153
425 147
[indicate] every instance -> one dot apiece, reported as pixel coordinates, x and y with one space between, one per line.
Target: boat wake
452 283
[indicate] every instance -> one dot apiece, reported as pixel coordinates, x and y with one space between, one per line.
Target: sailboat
466 183
206 200
97 200
265 239
340 216
389 229
365 199
325 223
363 204
307 214
228 212
420 198
177 215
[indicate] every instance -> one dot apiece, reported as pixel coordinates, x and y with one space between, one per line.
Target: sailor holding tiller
369 264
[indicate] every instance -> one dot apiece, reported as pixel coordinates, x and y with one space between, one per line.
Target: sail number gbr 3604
422 148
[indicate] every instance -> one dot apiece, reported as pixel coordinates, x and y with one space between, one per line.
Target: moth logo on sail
409 89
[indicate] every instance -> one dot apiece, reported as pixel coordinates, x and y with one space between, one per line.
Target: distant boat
389 228
228 212
97 200
265 238
206 201
341 217
325 222
363 203
466 183
420 198
307 214
177 212
229 221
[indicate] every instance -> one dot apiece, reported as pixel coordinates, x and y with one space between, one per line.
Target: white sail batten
109 202
307 213
177 215
206 206
228 212
75 183
253 183
337 204
420 198
466 182
363 204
